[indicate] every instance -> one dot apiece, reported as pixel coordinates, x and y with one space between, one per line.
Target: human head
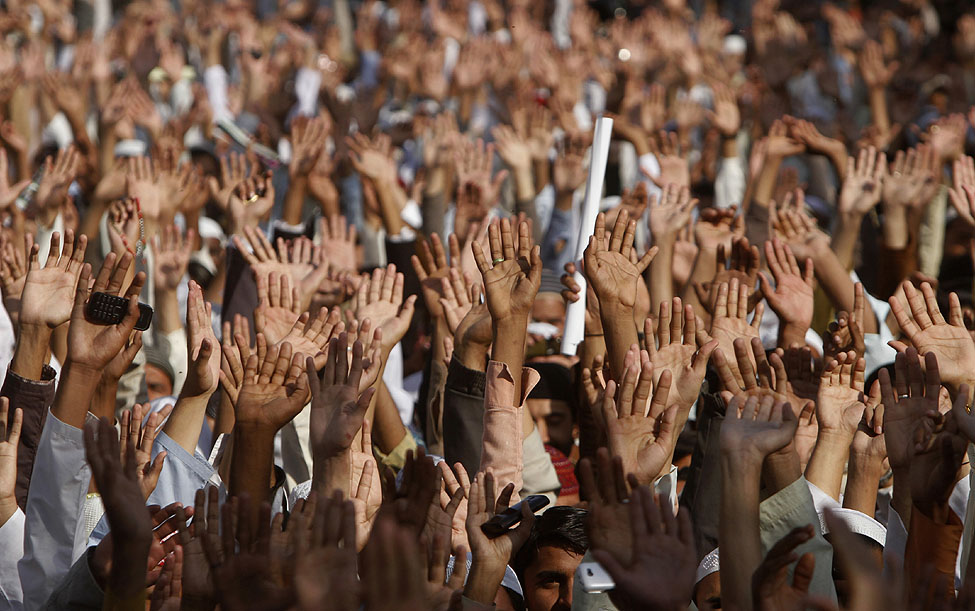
547 563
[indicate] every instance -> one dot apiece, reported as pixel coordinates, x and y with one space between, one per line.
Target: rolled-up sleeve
54 534
501 443
34 397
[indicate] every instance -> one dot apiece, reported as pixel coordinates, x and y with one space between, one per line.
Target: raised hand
338 243
47 296
643 438
771 589
672 345
792 296
274 389
250 201
338 406
234 170
660 574
726 117
8 192
203 348
278 306
458 300
122 497
141 436
962 191
52 189
372 158
754 428
325 564
310 336
473 166
9 438
491 556
92 345
307 143
840 403
673 166
670 212
608 265
846 332
380 300
143 186
430 265
863 183
876 75
730 317
912 394
13 275
512 277
171 256
926 328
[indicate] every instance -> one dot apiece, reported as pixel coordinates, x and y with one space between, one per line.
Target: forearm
166 318
901 500
75 391
389 195
32 351
387 429
738 531
765 185
780 470
509 344
836 283
862 482
845 237
331 472
251 462
103 401
791 333
186 421
524 183
703 271
294 200
433 209
483 581
878 109
126 588
896 227
661 272
541 169
825 468
619 333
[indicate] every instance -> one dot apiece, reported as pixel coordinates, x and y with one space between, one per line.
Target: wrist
30 355
483 581
837 439
869 465
8 507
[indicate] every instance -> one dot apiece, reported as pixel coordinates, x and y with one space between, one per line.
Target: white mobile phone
594 578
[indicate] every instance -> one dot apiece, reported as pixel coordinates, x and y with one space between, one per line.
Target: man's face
158 383
548 580
707 593
549 308
554 421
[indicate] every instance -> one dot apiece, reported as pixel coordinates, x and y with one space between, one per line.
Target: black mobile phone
108 309
499 524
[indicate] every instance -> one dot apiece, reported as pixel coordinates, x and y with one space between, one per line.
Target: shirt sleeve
215 80
34 398
54 536
307 84
182 475
11 551
729 184
790 508
538 472
501 443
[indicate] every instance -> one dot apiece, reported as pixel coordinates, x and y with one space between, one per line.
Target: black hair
556 383
562 527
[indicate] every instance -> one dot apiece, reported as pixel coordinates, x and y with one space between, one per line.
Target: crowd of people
284 288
